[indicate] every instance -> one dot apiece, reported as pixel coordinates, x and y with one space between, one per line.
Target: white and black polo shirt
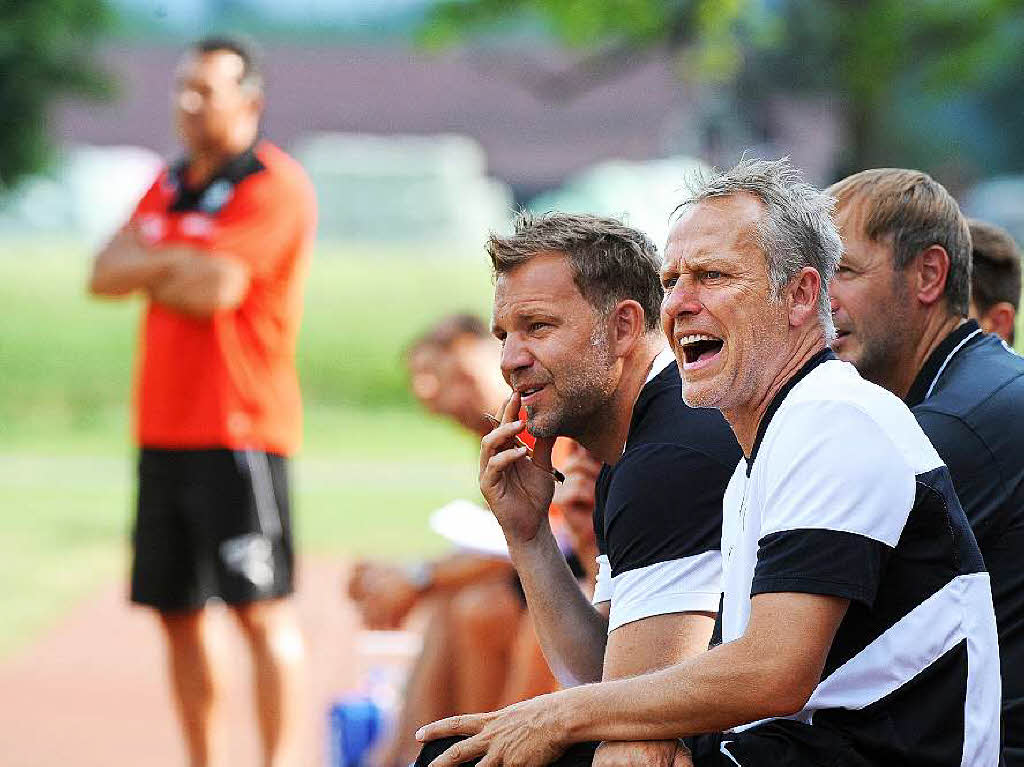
969 399
844 495
658 510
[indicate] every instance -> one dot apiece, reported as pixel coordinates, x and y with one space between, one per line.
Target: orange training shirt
228 380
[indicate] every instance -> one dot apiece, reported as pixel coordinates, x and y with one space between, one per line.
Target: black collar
937 360
824 355
215 193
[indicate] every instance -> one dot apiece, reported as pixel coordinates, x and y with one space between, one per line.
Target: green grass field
372 468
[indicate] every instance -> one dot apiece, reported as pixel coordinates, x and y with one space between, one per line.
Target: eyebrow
701 260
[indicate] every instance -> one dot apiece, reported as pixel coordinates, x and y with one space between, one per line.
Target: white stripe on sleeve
689 584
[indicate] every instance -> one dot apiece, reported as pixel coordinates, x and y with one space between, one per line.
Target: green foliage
701 31
578 22
45 53
871 53
862 52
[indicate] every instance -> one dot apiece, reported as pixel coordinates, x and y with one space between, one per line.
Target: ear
931 270
802 296
999 319
627 326
256 104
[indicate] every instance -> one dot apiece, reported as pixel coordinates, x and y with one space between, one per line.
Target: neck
936 328
204 162
746 419
609 439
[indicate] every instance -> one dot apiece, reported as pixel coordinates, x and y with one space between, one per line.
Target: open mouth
527 393
699 350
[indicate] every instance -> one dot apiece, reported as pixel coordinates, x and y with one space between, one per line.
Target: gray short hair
796 230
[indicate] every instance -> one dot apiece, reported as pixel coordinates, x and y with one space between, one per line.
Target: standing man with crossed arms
219 247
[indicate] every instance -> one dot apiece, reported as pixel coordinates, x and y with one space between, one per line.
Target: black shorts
777 743
211 523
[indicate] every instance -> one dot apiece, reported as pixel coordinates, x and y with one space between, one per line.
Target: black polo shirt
969 400
658 510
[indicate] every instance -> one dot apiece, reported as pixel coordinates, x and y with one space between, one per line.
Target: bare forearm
571 631
719 689
124 266
656 642
200 285
464 569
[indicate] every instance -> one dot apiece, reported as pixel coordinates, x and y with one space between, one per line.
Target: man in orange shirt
219 246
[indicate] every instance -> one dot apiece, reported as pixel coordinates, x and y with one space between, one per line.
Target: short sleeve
268 225
150 202
837 494
663 528
664 502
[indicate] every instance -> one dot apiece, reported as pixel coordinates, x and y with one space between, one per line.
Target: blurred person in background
900 301
995 279
479 648
219 247
575 500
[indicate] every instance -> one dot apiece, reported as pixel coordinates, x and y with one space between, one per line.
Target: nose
426 387
681 300
514 356
833 298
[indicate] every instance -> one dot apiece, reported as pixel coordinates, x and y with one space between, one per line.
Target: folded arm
200 285
770 671
184 279
643 646
125 265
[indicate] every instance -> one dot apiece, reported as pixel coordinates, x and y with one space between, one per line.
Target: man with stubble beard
900 301
576 310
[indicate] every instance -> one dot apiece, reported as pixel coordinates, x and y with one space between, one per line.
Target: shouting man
857 621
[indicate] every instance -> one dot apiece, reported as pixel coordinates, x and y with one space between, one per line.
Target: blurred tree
616 34
875 56
45 53
861 51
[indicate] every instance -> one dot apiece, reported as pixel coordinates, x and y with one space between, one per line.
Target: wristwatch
420 575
